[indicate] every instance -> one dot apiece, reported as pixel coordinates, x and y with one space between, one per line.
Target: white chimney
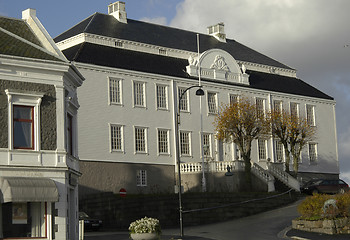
117 10
218 31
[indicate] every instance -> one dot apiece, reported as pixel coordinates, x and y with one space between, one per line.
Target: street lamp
199 92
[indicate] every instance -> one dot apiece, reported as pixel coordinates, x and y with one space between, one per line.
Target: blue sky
308 35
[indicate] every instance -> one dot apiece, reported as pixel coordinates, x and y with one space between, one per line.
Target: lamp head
200 92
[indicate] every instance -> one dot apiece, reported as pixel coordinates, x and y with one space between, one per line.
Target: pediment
219 65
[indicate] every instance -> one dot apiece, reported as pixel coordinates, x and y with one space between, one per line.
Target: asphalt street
275 224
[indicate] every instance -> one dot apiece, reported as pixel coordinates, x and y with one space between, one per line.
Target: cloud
306 35
156 20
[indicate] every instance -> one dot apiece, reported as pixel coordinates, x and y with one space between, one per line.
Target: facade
39 165
135 74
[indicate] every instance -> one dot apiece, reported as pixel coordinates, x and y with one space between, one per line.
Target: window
233 98
207 145
310 115
23 119
185 143
277 106
262 149
279 151
162 102
139 94
294 109
260 107
162 51
184 101
163 145
116 137
141 178
140 140
24 220
23 127
313 152
115 91
69 134
212 102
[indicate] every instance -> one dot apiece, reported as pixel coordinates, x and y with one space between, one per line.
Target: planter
337 226
144 236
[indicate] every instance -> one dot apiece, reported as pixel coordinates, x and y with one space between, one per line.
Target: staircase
264 175
284 177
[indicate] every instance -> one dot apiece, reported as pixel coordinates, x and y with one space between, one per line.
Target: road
269 225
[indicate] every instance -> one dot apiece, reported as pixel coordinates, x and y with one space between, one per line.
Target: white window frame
260 108
141 178
233 98
207 140
29 99
136 97
162 99
279 150
184 101
262 149
115 91
121 127
291 106
167 152
312 154
137 128
310 116
212 102
279 104
189 153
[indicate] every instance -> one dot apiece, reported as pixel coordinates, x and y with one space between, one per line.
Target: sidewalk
301 235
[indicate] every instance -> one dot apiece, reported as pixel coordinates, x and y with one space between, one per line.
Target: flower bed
145 228
328 214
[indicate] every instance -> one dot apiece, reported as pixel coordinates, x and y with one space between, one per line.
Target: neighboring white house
39 165
135 72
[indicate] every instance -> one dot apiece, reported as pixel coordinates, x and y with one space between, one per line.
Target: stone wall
48 112
118 212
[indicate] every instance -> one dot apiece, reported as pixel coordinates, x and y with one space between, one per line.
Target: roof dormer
117 10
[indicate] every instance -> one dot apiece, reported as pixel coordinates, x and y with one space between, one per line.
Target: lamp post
199 92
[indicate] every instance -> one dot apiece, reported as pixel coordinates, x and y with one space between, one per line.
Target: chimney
218 31
117 10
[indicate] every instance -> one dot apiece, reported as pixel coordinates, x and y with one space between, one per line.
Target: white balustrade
213 166
283 176
261 173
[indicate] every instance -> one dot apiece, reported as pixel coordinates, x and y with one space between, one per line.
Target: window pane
310 115
185 143
116 138
184 102
294 109
312 152
262 149
206 145
114 90
163 141
212 103
161 97
139 94
260 107
23 128
140 140
141 178
23 220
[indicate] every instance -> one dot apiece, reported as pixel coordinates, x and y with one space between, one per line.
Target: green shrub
312 207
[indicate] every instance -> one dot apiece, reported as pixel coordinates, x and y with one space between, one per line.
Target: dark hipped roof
157 64
107 25
17 45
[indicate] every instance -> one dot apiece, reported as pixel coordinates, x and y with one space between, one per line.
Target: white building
134 73
39 165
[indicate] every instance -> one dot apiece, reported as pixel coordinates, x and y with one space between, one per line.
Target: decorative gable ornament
219 65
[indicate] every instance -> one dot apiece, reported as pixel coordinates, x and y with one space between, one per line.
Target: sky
311 36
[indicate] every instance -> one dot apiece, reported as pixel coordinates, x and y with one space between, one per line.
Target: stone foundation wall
337 226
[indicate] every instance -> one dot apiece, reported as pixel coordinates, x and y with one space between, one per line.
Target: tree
294 133
241 122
